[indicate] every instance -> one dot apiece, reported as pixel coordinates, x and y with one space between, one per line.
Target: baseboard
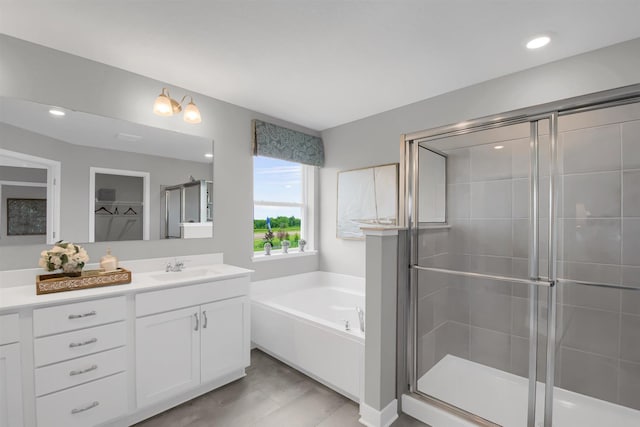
373 418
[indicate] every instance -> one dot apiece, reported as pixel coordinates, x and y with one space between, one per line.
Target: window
281 194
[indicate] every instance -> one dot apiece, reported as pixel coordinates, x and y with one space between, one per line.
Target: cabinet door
225 337
167 354
10 386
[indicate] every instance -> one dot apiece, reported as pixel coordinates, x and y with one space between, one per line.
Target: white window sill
278 255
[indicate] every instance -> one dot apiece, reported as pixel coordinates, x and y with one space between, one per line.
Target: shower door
482 289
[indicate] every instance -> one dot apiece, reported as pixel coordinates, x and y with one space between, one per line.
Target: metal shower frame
409 189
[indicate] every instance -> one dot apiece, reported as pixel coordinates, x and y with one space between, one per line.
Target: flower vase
267 248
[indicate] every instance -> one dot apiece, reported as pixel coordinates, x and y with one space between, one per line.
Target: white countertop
16 297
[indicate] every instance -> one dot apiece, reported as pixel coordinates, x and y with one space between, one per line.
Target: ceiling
321 63
90 130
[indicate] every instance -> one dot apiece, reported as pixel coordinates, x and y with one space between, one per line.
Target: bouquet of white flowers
64 255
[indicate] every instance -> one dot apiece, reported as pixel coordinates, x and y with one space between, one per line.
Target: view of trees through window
278 196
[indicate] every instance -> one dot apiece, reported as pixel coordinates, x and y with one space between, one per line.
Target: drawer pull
80 344
86 408
83 371
80 316
197 321
206 321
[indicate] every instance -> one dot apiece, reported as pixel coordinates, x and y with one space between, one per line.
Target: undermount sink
187 273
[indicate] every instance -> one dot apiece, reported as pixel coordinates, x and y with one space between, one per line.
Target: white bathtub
300 320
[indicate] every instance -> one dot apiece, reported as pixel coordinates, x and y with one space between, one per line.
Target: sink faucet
360 318
176 267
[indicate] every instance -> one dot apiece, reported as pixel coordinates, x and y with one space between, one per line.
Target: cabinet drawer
58 348
9 329
187 296
62 318
85 405
78 371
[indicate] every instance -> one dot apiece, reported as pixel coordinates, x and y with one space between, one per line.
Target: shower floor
501 397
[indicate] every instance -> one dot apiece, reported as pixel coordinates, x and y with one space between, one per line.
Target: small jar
109 262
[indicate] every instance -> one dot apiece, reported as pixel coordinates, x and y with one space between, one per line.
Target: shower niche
524 305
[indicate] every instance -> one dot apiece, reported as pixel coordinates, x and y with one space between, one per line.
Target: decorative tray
61 282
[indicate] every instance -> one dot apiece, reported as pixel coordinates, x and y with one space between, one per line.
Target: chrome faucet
360 318
176 267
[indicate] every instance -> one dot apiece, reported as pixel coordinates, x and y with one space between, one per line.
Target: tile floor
272 394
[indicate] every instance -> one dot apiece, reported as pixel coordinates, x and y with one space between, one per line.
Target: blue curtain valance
286 144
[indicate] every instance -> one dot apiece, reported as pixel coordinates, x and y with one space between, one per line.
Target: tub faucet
360 318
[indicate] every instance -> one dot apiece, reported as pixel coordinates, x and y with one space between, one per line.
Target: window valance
286 144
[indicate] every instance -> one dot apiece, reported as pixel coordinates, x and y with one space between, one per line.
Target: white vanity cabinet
167 355
180 348
224 337
10 372
80 362
114 356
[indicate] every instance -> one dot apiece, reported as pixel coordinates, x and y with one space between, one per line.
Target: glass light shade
162 106
192 114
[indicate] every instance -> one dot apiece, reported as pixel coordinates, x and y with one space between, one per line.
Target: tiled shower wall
599 241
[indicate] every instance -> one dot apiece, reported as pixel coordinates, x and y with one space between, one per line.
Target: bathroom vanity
117 355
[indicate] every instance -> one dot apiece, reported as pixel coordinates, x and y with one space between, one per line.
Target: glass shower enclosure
524 295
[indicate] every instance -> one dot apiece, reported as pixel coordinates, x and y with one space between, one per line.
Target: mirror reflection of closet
118 210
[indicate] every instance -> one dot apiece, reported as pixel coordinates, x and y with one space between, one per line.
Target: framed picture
367 197
26 217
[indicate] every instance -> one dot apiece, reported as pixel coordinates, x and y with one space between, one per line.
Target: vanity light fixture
167 106
498 147
538 42
209 155
57 112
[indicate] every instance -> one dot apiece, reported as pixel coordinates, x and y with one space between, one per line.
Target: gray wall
12 173
375 140
44 75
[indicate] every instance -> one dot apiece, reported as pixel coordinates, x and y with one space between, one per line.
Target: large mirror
432 186
84 178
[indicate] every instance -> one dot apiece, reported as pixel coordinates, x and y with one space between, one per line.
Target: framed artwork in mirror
367 197
26 217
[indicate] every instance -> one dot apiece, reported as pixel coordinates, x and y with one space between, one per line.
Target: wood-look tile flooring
272 394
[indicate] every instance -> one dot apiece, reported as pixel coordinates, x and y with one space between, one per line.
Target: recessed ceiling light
56 112
538 42
208 155
498 147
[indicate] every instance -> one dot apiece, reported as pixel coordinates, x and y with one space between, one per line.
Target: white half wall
376 139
